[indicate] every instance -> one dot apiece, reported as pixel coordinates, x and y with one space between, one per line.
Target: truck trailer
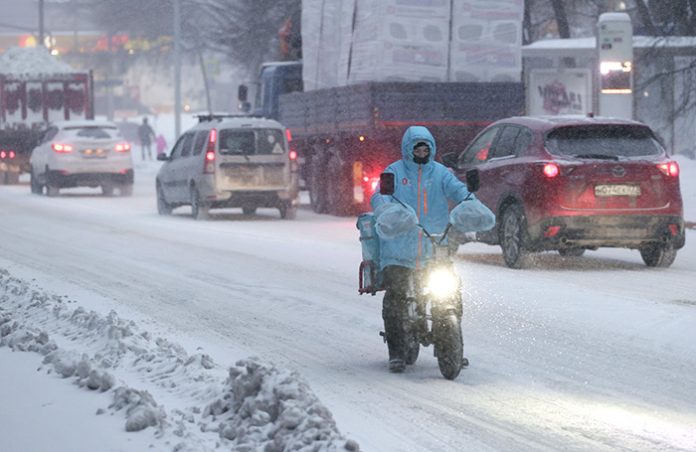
28 102
346 135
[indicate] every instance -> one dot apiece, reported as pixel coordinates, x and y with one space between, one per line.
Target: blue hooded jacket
427 188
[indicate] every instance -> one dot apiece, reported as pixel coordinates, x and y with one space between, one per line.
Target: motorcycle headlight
442 283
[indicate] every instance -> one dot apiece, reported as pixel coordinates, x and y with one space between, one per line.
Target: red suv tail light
551 170
669 169
61 148
209 162
122 147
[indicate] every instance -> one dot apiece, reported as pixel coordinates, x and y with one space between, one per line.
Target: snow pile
257 407
264 405
31 61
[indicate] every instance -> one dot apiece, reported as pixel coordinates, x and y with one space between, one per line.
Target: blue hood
413 135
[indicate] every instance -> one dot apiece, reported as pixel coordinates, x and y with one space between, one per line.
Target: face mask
421 160
420 148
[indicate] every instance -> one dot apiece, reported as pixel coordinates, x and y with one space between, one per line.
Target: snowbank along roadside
256 407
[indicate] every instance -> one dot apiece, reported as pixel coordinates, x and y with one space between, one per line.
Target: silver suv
230 161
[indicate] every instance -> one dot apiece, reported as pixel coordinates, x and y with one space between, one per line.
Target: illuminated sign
615 77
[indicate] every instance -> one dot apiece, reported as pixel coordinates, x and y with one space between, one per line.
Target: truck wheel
317 184
339 188
288 212
249 210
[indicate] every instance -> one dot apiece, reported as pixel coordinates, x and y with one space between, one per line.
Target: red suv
572 183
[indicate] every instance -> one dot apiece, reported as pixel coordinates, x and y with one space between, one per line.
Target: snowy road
590 353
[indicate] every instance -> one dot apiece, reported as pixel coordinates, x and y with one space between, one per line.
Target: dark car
573 183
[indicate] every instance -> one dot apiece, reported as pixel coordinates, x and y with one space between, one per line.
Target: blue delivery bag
370 276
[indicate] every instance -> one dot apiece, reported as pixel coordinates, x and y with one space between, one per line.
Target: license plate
94 153
617 190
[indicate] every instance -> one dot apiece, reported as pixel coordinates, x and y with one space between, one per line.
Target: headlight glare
442 283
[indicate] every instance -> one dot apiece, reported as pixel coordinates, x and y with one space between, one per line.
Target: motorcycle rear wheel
449 348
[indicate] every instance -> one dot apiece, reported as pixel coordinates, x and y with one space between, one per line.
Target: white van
230 161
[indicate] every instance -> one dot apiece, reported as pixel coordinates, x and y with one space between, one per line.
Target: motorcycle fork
416 320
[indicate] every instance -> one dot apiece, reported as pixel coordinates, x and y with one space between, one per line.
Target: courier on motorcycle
410 259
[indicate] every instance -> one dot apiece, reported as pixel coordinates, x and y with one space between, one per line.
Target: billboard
559 92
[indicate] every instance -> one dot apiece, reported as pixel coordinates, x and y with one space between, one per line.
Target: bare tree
668 18
561 18
247 30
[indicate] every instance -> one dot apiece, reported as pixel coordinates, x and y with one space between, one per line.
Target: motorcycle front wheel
449 348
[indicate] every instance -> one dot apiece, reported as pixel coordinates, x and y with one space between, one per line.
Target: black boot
393 331
397 365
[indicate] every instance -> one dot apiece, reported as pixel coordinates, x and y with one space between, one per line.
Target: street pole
177 68
41 23
109 77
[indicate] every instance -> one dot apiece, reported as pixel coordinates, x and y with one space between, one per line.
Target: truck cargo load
372 68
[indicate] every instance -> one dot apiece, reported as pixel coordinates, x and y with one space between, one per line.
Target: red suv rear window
603 141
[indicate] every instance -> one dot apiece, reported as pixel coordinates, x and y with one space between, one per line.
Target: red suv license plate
617 190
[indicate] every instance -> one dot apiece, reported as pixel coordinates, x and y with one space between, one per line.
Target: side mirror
242 93
450 159
472 180
386 183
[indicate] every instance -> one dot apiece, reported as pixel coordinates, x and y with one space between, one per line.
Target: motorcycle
431 312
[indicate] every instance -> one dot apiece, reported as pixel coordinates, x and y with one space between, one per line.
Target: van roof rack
217 116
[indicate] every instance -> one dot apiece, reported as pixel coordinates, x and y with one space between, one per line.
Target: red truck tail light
669 169
292 153
61 148
12 154
122 147
209 162
551 170
370 182
3 154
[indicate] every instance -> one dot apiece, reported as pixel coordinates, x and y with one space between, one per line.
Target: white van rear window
251 141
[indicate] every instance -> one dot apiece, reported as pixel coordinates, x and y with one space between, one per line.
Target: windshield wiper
596 156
